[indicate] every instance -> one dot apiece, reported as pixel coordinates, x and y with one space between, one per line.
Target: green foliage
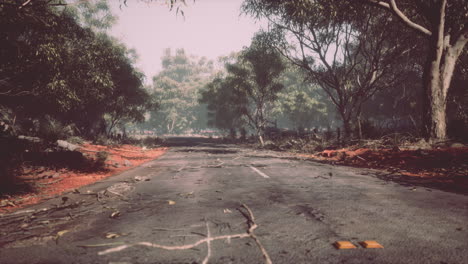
93 14
247 92
176 88
57 61
351 53
225 103
301 104
51 130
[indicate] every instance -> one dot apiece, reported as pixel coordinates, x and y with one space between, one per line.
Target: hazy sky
210 28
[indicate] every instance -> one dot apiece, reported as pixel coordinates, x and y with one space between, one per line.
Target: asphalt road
212 203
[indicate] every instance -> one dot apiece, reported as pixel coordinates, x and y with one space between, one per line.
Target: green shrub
50 130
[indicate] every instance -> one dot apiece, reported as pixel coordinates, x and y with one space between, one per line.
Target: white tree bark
442 67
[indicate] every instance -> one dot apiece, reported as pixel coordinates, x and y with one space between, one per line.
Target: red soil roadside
49 183
430 167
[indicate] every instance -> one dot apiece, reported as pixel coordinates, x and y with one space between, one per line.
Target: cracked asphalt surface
300 207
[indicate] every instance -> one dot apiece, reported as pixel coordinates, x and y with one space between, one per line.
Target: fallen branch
219 165
208 245
52 182
361 158
251 222
166 229
101 245
249 234
183 247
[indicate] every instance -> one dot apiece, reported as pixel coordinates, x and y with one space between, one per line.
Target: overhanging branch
392 6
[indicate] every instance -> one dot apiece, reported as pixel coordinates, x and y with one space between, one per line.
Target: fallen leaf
115 214
61 233
170 202
112 235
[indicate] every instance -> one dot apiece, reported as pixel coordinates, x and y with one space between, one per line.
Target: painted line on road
259 172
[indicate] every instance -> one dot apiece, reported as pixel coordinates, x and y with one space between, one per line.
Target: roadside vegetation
326 79
62 77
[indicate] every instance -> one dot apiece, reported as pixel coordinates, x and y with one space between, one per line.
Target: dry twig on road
252 225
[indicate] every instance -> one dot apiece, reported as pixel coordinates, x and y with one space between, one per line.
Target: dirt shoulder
442 168
47 182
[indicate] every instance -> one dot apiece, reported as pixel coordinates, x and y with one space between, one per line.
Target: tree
443 25
346 52
176 89
301 104
53 65
251 84
225 104
258 73
129 100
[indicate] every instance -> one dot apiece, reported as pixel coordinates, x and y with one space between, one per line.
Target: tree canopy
58 62
176 89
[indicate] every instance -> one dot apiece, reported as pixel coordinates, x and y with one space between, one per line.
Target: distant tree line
176 89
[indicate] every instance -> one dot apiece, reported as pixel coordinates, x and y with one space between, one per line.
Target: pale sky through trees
210 28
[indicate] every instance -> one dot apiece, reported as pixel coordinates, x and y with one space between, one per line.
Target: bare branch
252 225
394 9
25 4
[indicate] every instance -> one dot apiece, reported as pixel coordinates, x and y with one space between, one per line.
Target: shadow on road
440 184
196 141
209 150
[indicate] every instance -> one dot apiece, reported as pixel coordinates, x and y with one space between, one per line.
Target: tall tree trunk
437 106
346 124
440 65
437 90
359 126
441 69
260 136
347 130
